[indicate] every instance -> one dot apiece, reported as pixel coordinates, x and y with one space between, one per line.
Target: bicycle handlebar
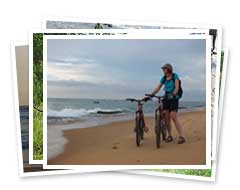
137 100
151 95
130 99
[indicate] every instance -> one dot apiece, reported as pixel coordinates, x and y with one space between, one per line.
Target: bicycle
160 124
139 119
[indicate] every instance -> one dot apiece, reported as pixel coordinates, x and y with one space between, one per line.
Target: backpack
180 91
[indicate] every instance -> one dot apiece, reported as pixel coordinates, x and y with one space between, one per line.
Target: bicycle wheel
138 131
141 129
158 129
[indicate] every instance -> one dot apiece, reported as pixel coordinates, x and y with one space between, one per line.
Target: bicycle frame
139 119
159 106
139 112
159 120
139 106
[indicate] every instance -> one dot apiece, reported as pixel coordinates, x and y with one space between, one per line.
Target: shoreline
81 124
114 143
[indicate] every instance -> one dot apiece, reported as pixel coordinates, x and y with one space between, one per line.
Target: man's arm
156 90
176 87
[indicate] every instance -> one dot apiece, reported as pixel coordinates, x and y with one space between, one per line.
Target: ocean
80 113
66 114
24 120
99 111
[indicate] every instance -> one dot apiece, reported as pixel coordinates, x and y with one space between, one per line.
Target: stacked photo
109 95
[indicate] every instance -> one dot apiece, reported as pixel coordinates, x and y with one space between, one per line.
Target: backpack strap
173 77
165 78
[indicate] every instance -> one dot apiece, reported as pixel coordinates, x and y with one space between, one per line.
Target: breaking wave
78 113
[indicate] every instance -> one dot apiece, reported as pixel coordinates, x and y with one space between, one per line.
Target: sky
122 68
22 64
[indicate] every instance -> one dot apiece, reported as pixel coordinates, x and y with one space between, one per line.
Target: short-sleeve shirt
169 85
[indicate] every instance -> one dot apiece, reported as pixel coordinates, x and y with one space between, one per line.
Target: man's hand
151 95
171 96
146 98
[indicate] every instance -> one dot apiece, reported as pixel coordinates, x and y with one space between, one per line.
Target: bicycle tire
158 129
138 132
141 129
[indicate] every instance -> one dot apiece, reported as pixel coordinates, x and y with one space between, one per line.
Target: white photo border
174 175
132 36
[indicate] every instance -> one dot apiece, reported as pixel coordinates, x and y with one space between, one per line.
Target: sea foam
55 141
77 113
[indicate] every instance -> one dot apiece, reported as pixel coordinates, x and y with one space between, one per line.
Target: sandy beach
115 144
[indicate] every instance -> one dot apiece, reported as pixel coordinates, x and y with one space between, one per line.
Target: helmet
167 66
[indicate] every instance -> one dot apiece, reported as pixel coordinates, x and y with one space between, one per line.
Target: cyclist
171 84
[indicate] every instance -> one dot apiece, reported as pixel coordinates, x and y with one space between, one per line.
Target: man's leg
166 113
174 117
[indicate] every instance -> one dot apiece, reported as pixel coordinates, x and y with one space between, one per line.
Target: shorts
170 105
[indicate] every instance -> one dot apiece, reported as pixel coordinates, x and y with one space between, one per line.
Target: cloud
72 60
65 72
192 83
123 68
80 89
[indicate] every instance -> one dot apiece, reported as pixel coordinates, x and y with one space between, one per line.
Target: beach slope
114 144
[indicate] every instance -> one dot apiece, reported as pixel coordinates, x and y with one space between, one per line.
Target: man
171 84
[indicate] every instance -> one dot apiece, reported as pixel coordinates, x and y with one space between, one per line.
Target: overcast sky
116 69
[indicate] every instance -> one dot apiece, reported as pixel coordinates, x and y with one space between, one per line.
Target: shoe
169 139
181 140
146 129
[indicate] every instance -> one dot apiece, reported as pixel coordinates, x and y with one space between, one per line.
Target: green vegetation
37 135
37 96
222 59
204 173
38 93
221 68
